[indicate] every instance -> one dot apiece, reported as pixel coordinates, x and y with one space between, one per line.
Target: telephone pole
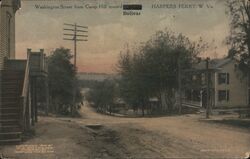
75 33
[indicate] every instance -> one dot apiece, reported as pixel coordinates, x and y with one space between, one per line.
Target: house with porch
227 86
18 79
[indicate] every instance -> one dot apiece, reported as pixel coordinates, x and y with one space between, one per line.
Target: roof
213 64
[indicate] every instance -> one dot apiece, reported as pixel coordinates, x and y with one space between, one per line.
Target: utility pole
208 88
76 34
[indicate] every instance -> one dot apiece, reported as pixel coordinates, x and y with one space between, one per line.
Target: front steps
10 109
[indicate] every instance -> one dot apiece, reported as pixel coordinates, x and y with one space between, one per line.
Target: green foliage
62 82
102 95
151 70
239 38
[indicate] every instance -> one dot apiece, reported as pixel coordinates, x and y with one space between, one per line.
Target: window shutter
219 96
228 95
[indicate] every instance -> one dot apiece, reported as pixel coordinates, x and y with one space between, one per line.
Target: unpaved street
100 136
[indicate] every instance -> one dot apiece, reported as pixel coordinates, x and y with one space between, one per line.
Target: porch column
47 96
32 101
35 99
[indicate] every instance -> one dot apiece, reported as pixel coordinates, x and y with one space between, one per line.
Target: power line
85 27
72 34
75 30
75 39
76 35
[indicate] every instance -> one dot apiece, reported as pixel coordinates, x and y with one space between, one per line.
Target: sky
109 31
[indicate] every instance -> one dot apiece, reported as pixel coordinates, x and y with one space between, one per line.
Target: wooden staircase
10 108
18 98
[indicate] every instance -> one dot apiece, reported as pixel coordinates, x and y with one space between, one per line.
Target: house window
223 78
223 95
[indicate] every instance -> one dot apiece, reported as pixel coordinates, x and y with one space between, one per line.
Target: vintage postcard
124 79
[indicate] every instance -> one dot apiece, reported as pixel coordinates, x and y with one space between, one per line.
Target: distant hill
94 76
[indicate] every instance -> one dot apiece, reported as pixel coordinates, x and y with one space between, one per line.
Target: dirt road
100 136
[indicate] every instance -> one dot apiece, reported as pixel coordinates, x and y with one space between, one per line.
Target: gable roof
213 64
216 63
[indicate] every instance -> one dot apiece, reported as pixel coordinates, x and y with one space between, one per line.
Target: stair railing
25 94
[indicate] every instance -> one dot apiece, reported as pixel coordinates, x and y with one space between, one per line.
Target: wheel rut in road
105 143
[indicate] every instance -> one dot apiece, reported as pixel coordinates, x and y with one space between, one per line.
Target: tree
102 95
62 80
239 38
152 69
133 86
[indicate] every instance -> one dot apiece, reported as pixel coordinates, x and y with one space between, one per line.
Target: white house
229 88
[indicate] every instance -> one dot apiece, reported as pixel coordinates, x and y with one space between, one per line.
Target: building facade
8 9
228 86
